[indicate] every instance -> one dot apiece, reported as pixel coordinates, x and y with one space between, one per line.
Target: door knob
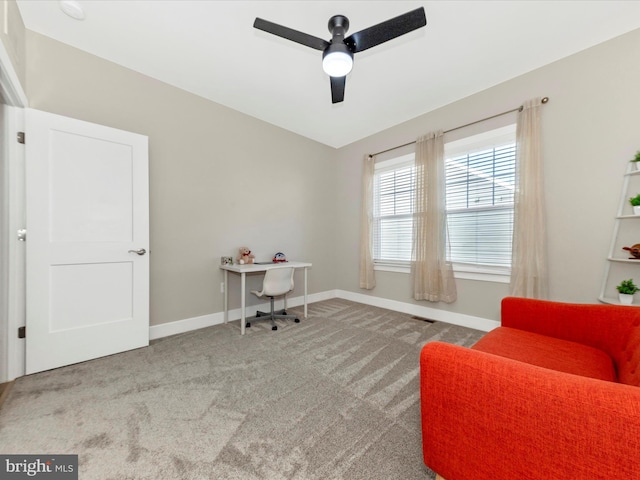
141 251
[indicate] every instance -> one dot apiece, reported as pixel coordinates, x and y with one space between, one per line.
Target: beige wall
218 179
591 128
12 35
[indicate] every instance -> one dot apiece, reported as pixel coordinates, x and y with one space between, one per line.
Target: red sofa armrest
490 417
606 327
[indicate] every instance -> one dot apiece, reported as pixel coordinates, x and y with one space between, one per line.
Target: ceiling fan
337 53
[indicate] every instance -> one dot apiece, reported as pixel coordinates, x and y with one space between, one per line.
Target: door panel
70 283
99 208
87 209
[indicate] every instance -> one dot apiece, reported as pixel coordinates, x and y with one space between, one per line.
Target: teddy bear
245 256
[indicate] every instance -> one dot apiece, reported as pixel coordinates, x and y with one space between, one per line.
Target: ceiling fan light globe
337 64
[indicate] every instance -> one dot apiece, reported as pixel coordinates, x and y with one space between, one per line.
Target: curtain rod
519 109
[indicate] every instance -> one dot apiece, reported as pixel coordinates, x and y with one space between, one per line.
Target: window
480 184
393 186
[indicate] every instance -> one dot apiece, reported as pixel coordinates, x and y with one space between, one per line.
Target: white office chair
277 282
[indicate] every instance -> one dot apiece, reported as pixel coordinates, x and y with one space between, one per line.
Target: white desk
255 268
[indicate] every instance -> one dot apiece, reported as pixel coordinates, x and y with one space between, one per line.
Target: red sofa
551 394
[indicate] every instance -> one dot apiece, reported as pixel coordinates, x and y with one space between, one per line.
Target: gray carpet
333 397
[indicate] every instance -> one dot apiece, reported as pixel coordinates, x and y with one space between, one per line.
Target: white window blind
393 186
480 184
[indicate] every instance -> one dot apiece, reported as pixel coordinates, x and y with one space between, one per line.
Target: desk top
262 267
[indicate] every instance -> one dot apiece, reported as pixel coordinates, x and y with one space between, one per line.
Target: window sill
393 267
462 272
483 276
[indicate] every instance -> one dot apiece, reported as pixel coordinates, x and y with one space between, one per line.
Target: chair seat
548 352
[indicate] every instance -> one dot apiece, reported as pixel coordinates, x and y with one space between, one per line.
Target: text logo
49 467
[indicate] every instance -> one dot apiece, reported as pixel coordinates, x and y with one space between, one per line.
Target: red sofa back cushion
614 329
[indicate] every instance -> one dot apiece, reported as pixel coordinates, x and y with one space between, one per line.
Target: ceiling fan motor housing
337 47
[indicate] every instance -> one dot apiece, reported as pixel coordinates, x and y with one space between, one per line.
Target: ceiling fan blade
385 31
290 34
337 89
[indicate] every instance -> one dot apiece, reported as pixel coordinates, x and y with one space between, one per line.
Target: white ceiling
210 48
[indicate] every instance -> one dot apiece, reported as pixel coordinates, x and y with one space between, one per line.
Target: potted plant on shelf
626 289
636 160
635 203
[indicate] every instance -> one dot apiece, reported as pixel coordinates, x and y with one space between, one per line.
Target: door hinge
20 137
22 234
22 332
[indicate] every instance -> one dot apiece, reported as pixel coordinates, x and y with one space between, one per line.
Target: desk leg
305 292
242 302
226 296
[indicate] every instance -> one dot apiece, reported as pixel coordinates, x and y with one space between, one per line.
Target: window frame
496 137
391 164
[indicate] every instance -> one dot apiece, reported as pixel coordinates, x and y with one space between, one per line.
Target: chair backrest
277 281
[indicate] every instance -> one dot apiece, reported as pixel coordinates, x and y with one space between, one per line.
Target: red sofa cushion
548 352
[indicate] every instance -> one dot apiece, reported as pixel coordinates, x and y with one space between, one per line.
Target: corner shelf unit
626 232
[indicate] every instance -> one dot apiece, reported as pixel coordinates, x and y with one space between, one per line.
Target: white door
87 214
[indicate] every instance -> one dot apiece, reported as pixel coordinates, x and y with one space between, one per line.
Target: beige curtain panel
367 277
432 274
529 253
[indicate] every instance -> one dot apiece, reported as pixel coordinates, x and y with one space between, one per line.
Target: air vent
422 319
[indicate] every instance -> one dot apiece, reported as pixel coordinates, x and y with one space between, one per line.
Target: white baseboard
454 318
194 323
186 325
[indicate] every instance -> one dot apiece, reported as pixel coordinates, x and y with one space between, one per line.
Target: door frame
12 208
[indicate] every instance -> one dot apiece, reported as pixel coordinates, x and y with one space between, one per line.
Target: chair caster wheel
297 320
274 328
247 325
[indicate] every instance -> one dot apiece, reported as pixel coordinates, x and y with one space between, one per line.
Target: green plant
628 287
637 157
635 201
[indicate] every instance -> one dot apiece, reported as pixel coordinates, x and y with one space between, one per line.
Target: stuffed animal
245 256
